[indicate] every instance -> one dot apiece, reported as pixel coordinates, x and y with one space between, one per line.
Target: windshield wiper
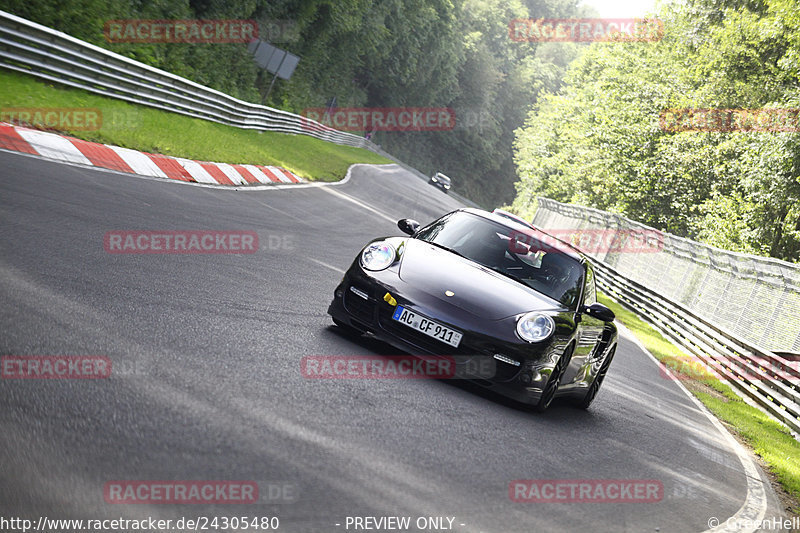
506 274
443 247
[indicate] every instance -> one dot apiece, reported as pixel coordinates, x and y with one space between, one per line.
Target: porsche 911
481 284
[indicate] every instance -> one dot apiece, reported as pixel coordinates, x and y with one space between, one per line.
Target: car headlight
378 256
535 327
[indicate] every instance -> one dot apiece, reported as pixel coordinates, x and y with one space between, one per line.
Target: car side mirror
407 225
600 312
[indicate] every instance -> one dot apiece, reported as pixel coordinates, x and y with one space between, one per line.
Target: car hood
477 290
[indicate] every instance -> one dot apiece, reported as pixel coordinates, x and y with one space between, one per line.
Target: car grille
365 310
358 306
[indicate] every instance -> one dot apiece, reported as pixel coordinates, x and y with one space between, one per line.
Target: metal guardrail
48 54
55 56
768 379
755 298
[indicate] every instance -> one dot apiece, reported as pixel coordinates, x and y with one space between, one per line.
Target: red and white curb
72 150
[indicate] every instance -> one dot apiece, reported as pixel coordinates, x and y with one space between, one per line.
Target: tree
598 141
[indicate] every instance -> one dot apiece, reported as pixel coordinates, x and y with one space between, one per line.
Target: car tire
551 387
348 329
594 388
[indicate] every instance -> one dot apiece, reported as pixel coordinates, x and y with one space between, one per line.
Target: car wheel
594 388
346 328
551 388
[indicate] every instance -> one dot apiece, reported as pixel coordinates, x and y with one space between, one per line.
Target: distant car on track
441 181
476 283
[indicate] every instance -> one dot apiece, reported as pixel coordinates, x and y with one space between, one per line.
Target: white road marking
358 203
326 265
752 511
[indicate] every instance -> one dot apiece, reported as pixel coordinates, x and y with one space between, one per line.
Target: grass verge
766 437
151 130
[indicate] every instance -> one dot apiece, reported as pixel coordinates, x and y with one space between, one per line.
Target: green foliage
155 131
225 67
367 53
496 81
598 141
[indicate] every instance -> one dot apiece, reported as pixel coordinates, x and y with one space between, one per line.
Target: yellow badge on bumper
388 299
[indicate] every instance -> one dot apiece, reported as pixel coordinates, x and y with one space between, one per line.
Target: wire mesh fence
755 298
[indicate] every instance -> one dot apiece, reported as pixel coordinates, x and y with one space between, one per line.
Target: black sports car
475 283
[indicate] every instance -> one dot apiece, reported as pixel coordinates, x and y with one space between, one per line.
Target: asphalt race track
206 381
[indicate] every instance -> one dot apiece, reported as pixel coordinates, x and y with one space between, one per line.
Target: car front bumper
522 382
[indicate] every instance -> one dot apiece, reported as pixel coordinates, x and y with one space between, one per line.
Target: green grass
767 438
155 131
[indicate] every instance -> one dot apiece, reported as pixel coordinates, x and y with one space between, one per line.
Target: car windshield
517 255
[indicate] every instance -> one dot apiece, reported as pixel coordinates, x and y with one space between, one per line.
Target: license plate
427 326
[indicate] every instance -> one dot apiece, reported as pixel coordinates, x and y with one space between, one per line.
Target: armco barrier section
55 56
770 380
755 298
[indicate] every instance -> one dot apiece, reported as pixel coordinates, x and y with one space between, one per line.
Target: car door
587 337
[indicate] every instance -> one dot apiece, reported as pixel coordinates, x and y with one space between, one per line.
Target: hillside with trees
598 141
574 122
366 53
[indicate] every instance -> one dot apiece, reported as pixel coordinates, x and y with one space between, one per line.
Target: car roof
528 229
512 216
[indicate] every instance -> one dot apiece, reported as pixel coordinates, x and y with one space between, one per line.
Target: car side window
589 293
